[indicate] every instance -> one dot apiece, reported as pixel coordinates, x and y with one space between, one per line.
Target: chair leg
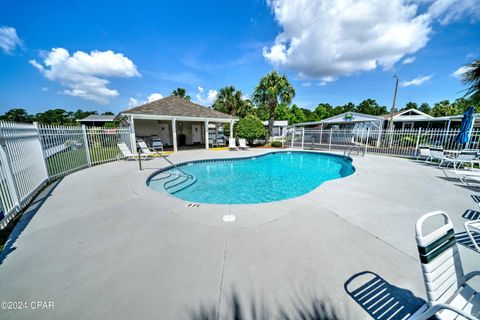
469 232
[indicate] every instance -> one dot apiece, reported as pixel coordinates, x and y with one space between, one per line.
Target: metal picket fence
31 155
402 143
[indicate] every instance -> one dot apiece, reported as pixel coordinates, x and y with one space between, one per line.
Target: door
196 133
165 134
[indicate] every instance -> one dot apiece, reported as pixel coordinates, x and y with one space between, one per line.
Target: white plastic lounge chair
242 143
465 175
449 296
127 154
424 152
473 226
466 156
146 151
436 154
232 144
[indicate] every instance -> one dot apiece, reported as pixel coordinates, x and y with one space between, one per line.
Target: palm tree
230 100
182 93
471 77
272 89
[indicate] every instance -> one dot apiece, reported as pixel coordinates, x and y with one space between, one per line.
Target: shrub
276 144
250 128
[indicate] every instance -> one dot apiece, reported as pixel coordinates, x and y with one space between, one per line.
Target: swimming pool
265 178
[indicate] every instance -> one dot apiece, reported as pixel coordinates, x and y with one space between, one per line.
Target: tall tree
444 108
425 107
272 89
410 105
17 115
471 78
182 93
370 106
323 111
230 100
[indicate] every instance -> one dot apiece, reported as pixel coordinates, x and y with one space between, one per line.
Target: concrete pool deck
101 245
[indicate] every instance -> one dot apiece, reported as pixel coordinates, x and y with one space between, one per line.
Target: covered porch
180 133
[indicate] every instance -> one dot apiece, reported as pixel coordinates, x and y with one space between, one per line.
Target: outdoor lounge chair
466 156
473 226
242 143
465 175
436 154
127 154
232 144
424 152
449 296
146 151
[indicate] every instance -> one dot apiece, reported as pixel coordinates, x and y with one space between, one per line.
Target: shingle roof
176 106
98 117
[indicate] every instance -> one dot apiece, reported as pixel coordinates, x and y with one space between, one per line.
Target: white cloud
132 102
83 74
307 84
416 82
9 39
408 60
329 38
45 89
206 98
460 71
154 96
446 11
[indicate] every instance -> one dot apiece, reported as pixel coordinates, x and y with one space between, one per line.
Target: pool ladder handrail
175 166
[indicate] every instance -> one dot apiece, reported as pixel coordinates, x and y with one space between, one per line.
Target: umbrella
467 122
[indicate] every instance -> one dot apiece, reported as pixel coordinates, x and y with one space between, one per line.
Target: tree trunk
271 120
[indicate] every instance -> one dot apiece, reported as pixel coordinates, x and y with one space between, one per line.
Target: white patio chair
449 296
424 152
466 156
465 175
473 227
436 154
242 143
232 144
146 151
127 154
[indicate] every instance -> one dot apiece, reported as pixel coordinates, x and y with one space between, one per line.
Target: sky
111 55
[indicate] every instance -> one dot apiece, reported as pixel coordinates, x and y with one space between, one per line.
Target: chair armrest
470 275
441 306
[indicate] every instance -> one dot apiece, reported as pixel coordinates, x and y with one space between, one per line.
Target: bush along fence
31 155
402 143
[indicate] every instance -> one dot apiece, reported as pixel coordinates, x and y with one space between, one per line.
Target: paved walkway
101 245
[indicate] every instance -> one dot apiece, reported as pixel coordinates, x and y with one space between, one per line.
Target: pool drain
229 218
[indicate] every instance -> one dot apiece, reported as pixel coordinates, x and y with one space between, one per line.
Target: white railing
403 143
31 155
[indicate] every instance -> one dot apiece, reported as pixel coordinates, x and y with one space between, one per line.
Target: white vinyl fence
31 155
402 143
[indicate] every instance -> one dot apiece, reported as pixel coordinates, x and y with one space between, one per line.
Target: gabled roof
98 118
419 114
176 106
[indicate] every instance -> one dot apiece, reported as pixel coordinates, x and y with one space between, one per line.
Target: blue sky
111 55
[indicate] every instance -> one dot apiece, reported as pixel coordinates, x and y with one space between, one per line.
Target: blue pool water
266 178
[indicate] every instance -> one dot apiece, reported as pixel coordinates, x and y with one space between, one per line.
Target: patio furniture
464 175
127 154
232 144
243 144
466 156
146 151
424 152
435 154
470 227
449 296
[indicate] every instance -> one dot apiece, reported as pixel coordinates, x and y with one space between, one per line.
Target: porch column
231 129
174 134
206 134
133 140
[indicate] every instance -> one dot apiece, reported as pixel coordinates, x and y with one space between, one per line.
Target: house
96 120
279 127
179 123
402 120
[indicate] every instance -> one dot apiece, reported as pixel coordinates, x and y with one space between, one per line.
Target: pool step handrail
175 166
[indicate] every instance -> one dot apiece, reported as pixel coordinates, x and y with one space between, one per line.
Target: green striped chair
449 296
